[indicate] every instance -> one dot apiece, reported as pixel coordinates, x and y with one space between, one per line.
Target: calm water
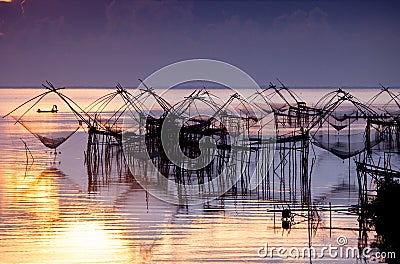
51 213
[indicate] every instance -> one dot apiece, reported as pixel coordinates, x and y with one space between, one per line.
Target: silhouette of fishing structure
379 185
338 123
225 121
223 125
345 127
292 163
51 130
292 115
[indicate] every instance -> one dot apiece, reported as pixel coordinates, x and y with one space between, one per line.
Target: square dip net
49 117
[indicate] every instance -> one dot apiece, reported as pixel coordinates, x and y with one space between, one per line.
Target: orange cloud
7 1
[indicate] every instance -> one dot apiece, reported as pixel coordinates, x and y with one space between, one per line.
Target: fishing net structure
106 113
118 126
195 117
280 99
207 128
240 117
198 109
345 128
204 110
145 111
143 119
151 103
49 130
386 102
122 118
113 113
292 115
202 126
48 117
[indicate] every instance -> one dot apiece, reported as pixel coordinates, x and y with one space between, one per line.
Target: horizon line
210 87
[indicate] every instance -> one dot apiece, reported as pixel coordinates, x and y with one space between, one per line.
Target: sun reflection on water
50 225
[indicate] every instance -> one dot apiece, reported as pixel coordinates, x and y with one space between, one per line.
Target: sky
102 42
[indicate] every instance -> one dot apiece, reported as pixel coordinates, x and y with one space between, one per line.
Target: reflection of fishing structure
105 163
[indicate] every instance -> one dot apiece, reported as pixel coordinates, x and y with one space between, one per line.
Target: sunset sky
99 43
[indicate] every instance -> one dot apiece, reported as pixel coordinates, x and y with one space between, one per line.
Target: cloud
303 23
148 17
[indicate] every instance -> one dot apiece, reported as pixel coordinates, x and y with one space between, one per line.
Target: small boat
53 110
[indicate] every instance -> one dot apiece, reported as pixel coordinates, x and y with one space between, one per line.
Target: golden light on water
7 1
46 206
81 242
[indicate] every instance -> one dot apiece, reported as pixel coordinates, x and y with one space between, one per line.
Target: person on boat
53 110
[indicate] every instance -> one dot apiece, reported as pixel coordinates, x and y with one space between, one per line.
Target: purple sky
99 43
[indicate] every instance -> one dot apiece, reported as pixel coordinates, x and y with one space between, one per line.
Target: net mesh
48 117
386 102
344 129
106 111
50 130
345 146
